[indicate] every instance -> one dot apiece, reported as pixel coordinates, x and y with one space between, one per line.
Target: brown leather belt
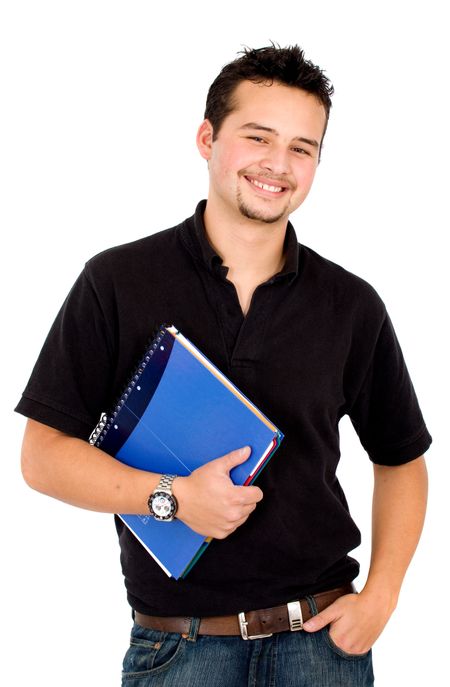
250 625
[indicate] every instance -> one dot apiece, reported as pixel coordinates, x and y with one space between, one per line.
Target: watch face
163 505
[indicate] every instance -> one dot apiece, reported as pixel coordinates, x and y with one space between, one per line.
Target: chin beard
257 215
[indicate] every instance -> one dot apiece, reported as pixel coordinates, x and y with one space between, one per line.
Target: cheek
229 158
224 167
305 176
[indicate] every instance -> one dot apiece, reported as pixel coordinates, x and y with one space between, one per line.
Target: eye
302 151
257 139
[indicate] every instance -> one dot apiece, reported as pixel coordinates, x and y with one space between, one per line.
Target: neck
252 250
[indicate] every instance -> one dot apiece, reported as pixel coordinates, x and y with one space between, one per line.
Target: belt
250 625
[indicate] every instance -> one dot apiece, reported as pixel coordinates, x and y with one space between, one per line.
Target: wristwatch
162 504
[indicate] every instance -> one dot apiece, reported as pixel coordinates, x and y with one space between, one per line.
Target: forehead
287 109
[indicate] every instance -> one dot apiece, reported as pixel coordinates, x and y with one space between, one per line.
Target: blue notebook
177 413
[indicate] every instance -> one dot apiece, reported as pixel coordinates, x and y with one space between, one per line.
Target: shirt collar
194 234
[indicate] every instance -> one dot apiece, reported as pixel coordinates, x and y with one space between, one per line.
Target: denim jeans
286 659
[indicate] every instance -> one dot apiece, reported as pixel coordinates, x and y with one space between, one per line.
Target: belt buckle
243 625
295 616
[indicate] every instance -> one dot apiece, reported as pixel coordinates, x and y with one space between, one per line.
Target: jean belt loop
312 605
193 630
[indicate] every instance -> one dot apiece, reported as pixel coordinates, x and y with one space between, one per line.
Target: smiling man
261 165
267 170
271 602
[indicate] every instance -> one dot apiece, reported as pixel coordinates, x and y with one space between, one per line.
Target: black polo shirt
315 345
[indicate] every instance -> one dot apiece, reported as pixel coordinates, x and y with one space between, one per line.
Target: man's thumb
237 457
319 621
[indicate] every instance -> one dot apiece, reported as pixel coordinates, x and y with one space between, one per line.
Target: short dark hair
287 66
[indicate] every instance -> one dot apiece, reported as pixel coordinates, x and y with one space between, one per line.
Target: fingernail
245 450
309 625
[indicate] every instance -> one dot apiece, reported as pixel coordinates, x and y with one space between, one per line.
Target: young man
308 342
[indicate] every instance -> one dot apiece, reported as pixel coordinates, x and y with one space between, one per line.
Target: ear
205 139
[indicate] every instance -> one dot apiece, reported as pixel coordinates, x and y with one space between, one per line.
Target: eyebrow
260 127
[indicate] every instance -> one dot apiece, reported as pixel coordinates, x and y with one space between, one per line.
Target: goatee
257 215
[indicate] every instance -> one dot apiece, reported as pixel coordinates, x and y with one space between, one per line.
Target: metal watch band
165 482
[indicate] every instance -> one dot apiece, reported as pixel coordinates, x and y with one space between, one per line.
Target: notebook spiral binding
105 421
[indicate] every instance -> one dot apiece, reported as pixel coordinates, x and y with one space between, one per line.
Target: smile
265 187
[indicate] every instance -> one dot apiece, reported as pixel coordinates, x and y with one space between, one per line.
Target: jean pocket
151 652
340 652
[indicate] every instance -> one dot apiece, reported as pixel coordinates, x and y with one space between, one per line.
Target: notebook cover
177 413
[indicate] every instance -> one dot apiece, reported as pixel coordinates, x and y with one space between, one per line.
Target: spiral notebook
177 413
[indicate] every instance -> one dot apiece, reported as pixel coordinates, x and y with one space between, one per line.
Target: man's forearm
73 471
399 505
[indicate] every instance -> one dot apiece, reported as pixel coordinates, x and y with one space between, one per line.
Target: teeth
266 187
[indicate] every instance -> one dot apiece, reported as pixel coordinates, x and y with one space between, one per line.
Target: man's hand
356 621
209 502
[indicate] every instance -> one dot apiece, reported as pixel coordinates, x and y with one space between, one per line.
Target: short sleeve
71 380
386 413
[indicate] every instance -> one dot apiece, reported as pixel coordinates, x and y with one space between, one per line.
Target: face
264 158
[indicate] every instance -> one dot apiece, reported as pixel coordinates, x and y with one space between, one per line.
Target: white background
100 106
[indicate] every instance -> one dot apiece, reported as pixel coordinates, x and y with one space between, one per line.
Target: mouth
267 188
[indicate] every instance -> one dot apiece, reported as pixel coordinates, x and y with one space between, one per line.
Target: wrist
162 502
380 596
179 486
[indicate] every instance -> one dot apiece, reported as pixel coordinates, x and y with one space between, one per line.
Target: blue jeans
287 659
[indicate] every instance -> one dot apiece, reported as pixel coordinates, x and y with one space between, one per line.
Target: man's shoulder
135 252
343 285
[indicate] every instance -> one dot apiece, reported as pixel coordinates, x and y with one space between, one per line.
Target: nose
276 160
